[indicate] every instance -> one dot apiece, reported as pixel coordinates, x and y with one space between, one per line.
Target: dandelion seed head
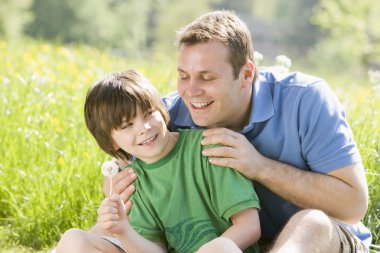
110 168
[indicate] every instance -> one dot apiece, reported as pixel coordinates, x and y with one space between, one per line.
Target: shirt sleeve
326 138
142 219
230 191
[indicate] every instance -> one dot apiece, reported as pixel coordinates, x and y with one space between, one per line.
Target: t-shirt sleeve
326 138
142 219
230 191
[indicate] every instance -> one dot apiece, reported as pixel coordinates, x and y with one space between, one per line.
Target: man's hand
327 192
237 152
122 184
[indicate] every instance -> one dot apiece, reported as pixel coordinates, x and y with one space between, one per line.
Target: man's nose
194 88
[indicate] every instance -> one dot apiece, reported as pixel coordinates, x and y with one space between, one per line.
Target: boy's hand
112 215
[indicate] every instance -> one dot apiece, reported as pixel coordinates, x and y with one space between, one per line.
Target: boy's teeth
149 140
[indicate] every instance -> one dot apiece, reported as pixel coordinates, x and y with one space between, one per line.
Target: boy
181 201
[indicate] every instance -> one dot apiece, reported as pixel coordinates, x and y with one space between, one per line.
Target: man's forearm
341 194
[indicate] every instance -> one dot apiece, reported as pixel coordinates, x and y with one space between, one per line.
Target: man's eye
183 77
208 78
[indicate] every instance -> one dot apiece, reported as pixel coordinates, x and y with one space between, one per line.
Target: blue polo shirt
295 119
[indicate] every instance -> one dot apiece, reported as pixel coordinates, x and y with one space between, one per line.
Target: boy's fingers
107 224
108 217
106 209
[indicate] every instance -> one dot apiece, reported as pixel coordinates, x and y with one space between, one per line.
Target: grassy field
49 164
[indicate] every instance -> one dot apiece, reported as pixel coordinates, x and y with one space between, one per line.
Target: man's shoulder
171 99
290 79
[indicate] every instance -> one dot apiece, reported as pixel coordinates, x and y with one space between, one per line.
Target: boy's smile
145 137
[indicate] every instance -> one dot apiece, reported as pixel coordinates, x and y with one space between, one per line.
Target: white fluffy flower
110 168
284 61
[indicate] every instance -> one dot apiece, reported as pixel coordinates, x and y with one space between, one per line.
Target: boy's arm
245 229
113 219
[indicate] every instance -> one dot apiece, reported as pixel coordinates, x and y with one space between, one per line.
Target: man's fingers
128 206
122 174
225 162
127 193
121 183
220 138
220 152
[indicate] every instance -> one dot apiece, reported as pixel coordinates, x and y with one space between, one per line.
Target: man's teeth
148 141
200 105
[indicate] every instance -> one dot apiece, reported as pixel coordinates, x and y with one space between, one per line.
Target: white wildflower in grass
374 78
284 61
110 169
258 57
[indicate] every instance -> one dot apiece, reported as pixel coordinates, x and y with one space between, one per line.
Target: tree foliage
114 23
352 30
13 16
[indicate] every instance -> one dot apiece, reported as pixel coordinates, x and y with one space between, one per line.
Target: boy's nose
145 127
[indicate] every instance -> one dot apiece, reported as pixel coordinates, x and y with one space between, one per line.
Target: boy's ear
115 146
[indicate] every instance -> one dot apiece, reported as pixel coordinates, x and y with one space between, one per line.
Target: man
285 132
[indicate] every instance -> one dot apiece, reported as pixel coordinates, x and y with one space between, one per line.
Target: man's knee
313 220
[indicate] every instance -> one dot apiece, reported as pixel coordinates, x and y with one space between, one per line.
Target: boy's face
145 137
207 86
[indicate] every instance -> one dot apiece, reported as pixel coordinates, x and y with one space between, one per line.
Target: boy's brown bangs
123 105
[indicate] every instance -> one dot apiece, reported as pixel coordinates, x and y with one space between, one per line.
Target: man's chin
203 123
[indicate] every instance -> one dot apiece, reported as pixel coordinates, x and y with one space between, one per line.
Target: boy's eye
126 125
149 112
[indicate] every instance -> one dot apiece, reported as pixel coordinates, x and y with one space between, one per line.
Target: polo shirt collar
184 117
262 103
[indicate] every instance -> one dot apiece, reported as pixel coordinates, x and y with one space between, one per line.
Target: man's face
208 88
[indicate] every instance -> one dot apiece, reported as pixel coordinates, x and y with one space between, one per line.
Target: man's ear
249 72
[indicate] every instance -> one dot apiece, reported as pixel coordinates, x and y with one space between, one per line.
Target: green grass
49 164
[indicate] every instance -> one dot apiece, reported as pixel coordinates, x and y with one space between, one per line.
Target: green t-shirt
184 201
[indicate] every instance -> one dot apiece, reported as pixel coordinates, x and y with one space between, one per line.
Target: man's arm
245 229
341 193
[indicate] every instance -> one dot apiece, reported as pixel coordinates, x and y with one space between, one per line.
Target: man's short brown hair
224 27
113 100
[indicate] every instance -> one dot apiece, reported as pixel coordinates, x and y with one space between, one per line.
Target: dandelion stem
110 186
